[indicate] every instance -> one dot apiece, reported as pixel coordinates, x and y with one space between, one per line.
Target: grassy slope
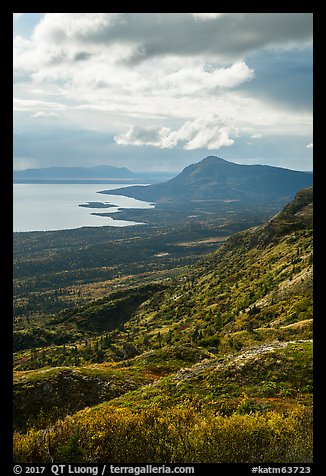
196 425
43 395
252 289
258 379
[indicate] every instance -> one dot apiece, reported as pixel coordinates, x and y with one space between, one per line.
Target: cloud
52 115
207 16
257 136
227 37
196 78
310 146
87 58
227 77
186 81
85 61
207 133
141 135
34 104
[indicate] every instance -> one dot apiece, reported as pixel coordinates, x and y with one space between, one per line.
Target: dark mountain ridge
217 179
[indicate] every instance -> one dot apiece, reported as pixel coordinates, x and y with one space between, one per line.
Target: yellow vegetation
176 435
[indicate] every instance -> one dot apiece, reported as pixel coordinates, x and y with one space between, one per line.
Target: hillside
246 410
260 279
214 178
221 354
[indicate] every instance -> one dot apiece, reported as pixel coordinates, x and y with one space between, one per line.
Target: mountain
217 179
100 171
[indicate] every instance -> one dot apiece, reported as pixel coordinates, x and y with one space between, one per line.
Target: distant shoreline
126 181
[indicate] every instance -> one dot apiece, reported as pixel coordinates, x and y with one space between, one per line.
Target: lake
47 207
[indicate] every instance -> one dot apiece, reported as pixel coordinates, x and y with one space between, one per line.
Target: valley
202 329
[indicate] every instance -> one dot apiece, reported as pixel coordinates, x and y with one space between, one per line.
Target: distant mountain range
217 179
97 174
57 173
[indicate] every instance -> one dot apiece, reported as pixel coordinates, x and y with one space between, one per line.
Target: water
47 207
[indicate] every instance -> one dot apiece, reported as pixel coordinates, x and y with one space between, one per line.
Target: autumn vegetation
191 356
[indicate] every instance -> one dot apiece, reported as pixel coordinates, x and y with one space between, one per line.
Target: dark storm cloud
228 37
283 77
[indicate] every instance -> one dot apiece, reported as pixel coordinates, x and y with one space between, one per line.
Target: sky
159 91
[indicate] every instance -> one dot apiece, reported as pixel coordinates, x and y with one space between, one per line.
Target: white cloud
214 138
24 52
310 146
207 16
233 76
52 115
257 136
204 132
33 104
197 77
141 135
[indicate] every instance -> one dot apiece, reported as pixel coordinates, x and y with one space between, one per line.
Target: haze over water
47 207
